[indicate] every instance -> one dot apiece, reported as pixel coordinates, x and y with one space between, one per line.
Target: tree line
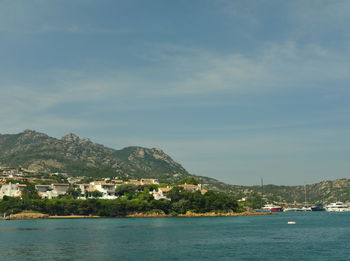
131 200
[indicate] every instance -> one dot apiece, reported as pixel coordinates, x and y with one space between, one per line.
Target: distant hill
75 156
325 191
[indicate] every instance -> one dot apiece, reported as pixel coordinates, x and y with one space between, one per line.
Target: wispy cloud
40 17
274 68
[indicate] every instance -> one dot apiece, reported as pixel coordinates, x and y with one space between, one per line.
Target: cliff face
76 156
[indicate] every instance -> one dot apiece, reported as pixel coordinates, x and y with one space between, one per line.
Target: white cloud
274 68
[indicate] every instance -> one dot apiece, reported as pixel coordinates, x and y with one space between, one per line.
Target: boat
272 208
5 217
288 209
306 208
317 208
338 207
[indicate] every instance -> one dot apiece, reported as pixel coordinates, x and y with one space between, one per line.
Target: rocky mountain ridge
76 156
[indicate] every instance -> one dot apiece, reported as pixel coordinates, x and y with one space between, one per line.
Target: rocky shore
192 214
28 215
72 217
33 215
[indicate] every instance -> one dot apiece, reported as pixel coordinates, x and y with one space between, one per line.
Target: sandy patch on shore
28 215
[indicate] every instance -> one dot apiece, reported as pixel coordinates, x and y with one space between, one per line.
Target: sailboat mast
262 192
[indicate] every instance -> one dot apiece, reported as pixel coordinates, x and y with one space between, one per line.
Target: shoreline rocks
30 215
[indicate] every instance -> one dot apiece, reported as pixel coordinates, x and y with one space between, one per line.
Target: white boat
306 208
338 207
291 209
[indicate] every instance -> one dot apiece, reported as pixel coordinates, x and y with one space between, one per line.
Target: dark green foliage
126 189
94 194
131 202
254 201
29 192
150 187
183 201
73 193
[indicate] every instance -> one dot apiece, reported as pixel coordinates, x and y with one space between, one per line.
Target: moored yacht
338 207
288 209
306 208
272 208
317 208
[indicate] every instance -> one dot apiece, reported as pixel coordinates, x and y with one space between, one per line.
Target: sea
315 236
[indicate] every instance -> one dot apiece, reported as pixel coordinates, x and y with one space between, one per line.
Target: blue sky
235 90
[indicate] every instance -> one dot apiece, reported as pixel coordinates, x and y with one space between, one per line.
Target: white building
161 193
107 189
11 190
51 191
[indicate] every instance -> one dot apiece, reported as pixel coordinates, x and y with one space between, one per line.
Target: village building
117 181
149 181
190 187
51 191
72 180
161 193
107 189
11 190
133 182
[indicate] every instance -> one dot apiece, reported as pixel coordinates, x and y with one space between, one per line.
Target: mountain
75 156
82 157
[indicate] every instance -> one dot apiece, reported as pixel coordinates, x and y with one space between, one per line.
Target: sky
236 90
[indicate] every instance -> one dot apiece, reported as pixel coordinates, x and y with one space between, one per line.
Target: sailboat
312 208
268 207
306 207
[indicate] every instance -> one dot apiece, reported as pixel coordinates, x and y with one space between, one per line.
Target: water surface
316 236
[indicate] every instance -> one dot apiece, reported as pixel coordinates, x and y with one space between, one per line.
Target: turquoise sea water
316 236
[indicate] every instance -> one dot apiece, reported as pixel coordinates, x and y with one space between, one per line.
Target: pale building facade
11 190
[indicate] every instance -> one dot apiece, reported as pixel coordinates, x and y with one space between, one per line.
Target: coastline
29 215
192 214
73 217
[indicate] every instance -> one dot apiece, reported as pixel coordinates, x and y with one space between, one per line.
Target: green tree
29 192
94 194
125 189
189 180
73 193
